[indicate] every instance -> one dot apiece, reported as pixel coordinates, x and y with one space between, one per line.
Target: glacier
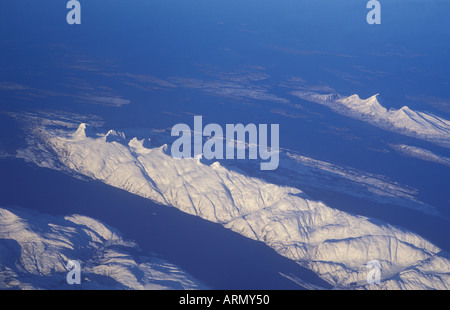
334 244
35 249
420 125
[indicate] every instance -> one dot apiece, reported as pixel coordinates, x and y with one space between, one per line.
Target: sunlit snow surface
421 125
334 244
35 249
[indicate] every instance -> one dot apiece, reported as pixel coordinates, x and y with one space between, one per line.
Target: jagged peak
373 100
374 97
116 136
404 112
136 143
357 97
138 146
356 100
164 149
112 132
81 131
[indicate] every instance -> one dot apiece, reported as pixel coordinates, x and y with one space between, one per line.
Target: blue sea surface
153 64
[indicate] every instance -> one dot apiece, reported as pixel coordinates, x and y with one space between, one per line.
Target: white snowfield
334 244
35 249
405 121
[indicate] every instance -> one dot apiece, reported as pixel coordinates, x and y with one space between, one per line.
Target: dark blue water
47 65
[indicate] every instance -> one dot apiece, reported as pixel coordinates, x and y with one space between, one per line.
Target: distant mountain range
406 121
334 244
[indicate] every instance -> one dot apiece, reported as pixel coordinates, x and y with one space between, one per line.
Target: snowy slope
334 244
405 121
420 153
35 249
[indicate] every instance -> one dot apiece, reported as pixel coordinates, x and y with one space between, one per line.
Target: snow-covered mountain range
35 249
421 125
334 244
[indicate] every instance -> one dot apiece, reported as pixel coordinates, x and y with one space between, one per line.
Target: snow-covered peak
138 146
84 130
369 106
115 136
80 133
